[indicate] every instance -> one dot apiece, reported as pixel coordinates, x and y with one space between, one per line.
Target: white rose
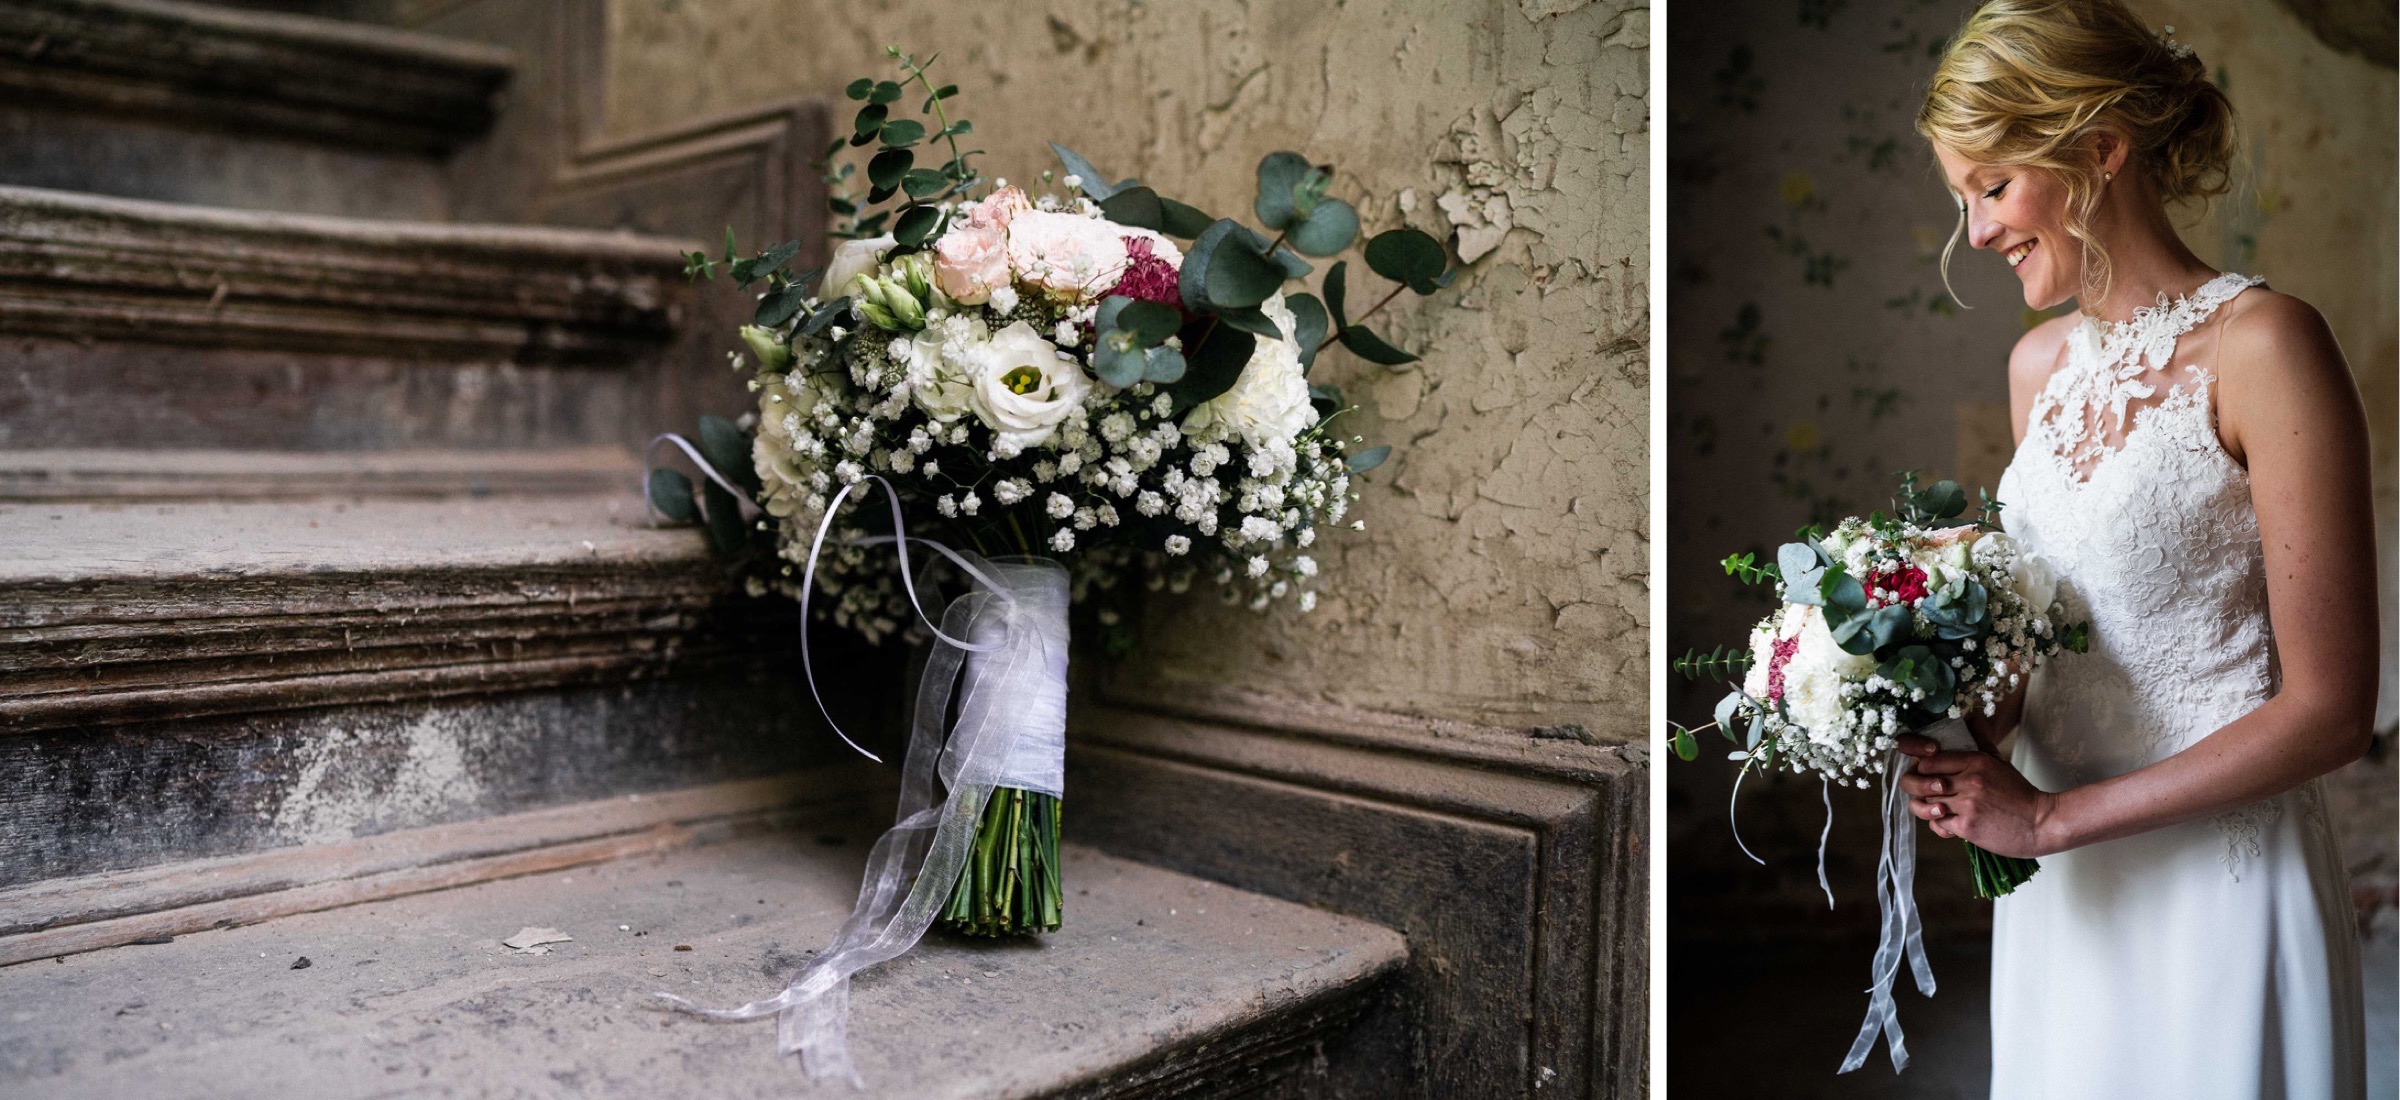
1268 405
2036 581
852 259
1812 681
1023 386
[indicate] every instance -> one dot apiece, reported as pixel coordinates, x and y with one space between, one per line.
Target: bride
2192 460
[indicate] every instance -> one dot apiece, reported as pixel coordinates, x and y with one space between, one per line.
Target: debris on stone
530 940
683 947
153 941
302 963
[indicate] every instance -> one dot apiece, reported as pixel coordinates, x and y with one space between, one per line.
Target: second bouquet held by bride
1064 398
1885 626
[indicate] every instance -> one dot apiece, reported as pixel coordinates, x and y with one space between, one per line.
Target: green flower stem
1996 875
1010 885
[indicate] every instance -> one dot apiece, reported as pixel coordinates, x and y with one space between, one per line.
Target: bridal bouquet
1887 625
1883 626
1058 391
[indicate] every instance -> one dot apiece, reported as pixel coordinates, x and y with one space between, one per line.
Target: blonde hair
2026 82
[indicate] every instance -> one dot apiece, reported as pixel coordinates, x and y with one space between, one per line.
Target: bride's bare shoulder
2035 357
2279 367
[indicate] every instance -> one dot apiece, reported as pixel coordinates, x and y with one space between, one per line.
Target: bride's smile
2015 211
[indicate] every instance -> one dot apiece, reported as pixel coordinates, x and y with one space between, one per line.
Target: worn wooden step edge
322 80
82 266
60 917
135 476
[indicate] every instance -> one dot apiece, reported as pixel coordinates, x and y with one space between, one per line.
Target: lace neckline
2106 367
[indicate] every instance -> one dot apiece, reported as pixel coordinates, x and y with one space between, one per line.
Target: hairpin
2166 37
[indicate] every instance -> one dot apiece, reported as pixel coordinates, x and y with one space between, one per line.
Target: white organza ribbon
1001 652
1903 935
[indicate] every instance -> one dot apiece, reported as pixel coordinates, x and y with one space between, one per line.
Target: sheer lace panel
2116 374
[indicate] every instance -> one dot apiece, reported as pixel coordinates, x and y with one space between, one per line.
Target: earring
2107 176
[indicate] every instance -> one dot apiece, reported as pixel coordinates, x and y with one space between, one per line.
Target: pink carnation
1148 276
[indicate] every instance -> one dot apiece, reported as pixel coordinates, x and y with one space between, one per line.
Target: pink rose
970 261
997 208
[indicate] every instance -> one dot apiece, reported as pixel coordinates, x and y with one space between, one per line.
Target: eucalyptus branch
1336 337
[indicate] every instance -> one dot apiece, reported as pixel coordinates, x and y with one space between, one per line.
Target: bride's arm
2036 356
2291 413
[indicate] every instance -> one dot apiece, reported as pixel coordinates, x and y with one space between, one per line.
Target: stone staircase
331 625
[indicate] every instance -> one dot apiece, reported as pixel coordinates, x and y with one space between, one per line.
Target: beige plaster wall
1504 577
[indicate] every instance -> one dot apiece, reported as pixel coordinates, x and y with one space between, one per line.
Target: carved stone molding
258 72
1517 871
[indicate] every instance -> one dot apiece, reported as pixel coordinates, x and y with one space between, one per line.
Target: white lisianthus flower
852 259
1268 406
1023 386
937 382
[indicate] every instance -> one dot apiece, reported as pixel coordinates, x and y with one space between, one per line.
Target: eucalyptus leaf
916 225
859 88
885 91
1117 360
903 131
869 121
1309 326
780 306
1179 220
1191 282
1089 178
826 315
1368 459
1288 261
1370 347
671 494
1163 365
1337 283
1727 707
1278 174
1408 256
1686 749
924 183
724 514
1138 207
886 170
1841 591
1213 363
1253 320
728 451
1238 274
1327 230
1153 322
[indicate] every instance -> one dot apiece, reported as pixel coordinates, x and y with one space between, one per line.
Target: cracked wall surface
1504 577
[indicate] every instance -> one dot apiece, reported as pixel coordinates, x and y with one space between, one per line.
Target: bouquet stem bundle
1996 875
1011 882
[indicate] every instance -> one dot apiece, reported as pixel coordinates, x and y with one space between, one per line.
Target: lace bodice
2122 484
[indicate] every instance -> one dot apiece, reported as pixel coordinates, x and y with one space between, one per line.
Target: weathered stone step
116 613
207 103
94 475
1159 985
187 326
323 79
202 679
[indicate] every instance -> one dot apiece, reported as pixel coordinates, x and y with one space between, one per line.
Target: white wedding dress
2217 958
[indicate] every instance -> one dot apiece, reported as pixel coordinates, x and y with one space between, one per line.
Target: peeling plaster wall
1504 576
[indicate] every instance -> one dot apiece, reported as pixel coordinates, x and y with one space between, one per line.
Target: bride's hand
1977 797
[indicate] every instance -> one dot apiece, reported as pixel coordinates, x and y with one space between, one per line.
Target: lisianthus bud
903 305
770 349
915 272
866 290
